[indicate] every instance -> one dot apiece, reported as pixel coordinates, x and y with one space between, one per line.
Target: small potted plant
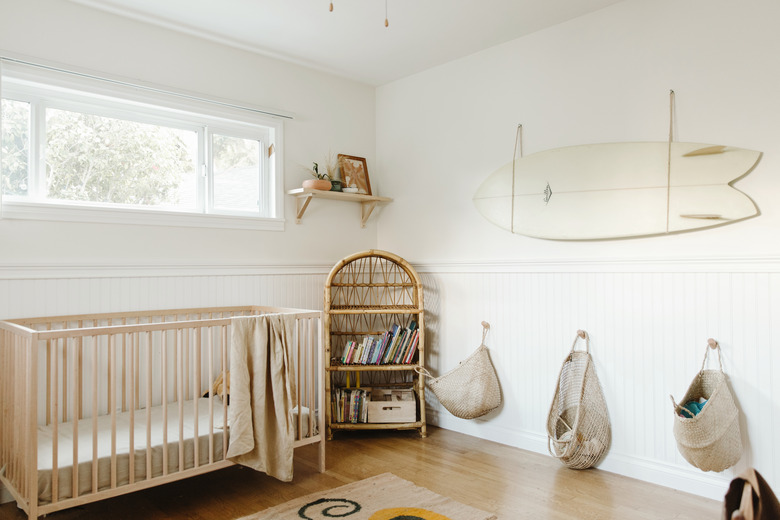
332 171
321 181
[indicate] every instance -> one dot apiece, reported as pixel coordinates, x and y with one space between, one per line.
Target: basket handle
711 345
584 335
485 329
423 372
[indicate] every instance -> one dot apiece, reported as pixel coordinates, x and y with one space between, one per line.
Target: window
80 148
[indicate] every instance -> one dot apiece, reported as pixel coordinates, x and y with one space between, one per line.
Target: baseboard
693 481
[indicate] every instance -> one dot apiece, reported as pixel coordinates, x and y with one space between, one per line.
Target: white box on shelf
391 405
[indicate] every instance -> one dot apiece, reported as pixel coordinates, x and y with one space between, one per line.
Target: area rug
384 497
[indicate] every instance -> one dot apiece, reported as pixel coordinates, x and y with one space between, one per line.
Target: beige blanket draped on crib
262 394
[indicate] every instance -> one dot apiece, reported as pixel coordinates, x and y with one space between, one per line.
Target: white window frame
47 87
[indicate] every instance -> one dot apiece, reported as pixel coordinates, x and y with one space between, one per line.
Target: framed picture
354 173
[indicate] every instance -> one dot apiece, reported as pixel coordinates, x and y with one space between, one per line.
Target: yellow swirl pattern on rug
407 513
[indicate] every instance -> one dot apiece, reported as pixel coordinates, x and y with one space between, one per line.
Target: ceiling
352 41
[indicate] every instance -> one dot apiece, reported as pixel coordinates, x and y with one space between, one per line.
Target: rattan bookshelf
366 294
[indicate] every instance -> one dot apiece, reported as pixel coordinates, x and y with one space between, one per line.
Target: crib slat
14 381
310 353
5 360
137 362
181 370
195 399
164 373
298 338
49 417
76 416
133 344
112 403
55 480
20 445
95 385
4 377
63 344
122 338
18 448
211 394
185 374
80 384
177 337
148 405
107 345
225 396
319 348
31 440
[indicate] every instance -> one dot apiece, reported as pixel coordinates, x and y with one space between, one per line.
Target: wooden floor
512 483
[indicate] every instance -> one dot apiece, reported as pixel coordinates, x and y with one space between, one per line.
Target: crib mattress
104 443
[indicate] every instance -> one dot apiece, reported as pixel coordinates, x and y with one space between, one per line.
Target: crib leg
322 455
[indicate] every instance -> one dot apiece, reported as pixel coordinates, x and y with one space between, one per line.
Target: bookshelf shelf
303 196
407 309
374 293
370 368
377 426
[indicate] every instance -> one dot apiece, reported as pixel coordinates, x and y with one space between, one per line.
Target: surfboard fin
705 216
708 150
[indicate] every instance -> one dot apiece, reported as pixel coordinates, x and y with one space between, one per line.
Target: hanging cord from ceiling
518 145
669 158
387 23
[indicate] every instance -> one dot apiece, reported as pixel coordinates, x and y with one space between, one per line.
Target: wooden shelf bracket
303 197
367 207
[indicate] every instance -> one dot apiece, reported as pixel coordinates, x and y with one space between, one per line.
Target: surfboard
616 190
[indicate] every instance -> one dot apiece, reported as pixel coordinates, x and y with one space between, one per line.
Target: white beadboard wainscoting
648 321
648 324
56 291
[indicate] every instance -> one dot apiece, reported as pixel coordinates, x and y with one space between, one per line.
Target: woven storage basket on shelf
471 389
710 440
578 428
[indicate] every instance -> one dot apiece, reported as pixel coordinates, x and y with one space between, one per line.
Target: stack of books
350 405
396 346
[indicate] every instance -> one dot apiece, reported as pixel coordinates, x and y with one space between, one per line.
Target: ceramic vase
317 184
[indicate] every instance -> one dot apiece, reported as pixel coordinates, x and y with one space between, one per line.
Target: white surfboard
615 190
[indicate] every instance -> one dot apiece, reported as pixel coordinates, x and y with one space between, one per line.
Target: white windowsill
144 217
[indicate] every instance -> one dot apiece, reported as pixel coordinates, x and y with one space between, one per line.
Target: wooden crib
129 398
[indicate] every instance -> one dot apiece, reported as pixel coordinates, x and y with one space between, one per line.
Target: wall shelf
304 195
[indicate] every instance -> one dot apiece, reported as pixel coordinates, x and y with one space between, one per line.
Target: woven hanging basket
471 389
578 427
710 440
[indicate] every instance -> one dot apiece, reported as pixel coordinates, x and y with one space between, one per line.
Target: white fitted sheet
104 442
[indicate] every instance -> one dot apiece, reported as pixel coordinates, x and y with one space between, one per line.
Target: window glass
98 159
15 155
237 171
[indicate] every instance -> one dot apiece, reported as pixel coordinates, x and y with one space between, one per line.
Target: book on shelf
412 348
350 405
395 346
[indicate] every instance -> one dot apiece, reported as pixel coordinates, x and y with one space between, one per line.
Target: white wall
600 78
649 303
330 114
